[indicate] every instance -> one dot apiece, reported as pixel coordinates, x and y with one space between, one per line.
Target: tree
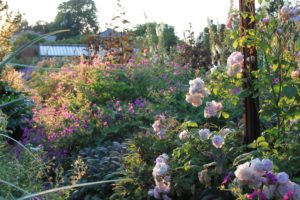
41 27
9 24
76 15
169 37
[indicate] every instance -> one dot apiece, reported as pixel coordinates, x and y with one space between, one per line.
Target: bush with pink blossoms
257 175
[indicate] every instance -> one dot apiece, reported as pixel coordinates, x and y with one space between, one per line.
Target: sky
178 13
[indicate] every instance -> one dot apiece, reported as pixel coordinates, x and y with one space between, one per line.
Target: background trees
9 24
76 15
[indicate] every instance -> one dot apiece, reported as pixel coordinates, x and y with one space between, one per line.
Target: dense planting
162 128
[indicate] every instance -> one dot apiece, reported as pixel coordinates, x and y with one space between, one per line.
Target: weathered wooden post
250 113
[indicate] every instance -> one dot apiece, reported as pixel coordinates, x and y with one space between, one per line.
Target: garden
213 118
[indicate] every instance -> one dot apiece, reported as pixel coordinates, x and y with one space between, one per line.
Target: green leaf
190 124
225 115
261 139
19 50
263 144
11 102
235 44
215 91
290 91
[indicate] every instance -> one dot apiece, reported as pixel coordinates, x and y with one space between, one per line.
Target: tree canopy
76 15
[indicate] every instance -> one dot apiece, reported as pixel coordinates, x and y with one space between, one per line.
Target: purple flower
252 195
279 31
227 178
235 90
267 164
266 20
217 141
276 81
271 178
282 177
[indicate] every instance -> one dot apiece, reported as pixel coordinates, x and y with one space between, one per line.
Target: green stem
67 188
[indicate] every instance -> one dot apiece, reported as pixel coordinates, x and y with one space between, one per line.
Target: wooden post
251 106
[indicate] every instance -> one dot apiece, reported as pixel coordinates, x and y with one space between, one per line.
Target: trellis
250 104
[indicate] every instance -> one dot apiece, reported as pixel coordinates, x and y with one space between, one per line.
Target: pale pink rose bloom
212 108
195 100
295 74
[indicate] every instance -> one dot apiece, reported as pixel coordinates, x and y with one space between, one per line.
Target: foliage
75 15
17 113
169 38
102 163
8 27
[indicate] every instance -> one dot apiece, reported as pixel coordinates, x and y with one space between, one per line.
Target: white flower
217 141
204 134
244 172
183 135
160 169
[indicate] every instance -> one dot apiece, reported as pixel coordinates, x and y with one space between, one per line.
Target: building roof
110 33
60 50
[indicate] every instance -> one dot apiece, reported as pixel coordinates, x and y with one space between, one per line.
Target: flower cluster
158 126
212 108
197 92
290 13
235 63
162 178
217 140
257 174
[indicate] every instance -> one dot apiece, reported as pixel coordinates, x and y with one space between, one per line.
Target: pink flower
212 108
235 63
183 135
295 74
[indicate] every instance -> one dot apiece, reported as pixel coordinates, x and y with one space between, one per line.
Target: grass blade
11 102
14 186
67 188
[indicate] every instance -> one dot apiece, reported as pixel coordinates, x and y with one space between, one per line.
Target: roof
110 33
62 50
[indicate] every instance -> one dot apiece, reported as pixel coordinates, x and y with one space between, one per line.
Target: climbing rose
204 134
212 108
235 63
217 141
295 74
197 92
183 135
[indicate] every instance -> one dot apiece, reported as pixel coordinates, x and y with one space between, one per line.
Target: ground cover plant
159 125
